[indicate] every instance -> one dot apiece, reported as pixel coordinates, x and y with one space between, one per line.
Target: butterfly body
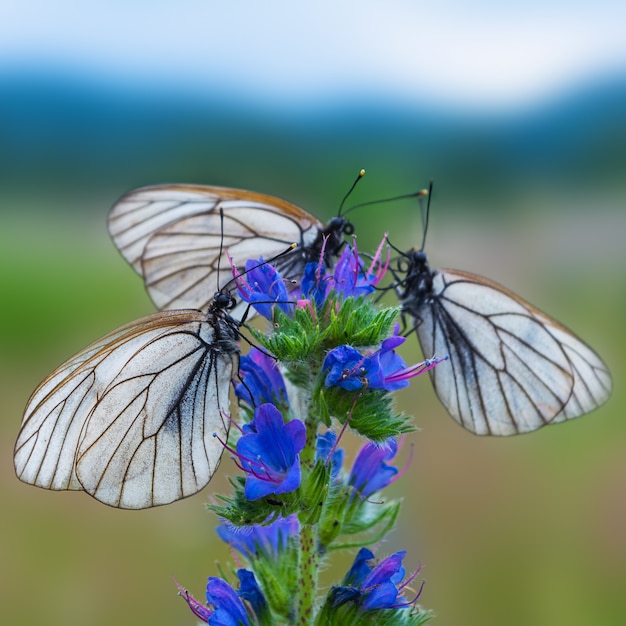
131 418
511 368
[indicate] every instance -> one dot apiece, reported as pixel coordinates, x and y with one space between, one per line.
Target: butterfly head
329 241
338 227
223 301
415 278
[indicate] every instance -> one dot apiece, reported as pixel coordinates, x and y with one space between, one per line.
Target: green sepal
314 492
301 338
242 512
331 520
351 613
323 411
274 573
347 513
276 579
381 517
358 322
295 339
369 411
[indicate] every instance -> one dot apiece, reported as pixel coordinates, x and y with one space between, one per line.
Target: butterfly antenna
416 194
400 252
287 250
426 214
354 184
219 258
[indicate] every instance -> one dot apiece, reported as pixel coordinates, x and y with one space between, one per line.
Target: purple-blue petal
383 596
268 452
250 591
325 444
391 343
314 285
370 473
261 485
388 569
267 538
261 379
228 607
385 362
263 287
373 587
347 368
360 568
380 586
349 276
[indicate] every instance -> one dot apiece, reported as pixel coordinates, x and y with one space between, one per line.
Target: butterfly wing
172 235
130 419
512 368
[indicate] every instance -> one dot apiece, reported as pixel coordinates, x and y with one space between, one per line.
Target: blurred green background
516 531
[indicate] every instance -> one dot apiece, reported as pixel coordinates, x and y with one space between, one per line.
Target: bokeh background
516 110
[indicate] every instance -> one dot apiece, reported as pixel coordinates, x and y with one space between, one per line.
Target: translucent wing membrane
171 234
512 368
130 419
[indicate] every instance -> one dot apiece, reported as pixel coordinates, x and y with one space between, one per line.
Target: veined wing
173 234
130 419
512 368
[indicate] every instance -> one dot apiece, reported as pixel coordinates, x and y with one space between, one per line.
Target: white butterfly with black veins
173 236
131 418
512 369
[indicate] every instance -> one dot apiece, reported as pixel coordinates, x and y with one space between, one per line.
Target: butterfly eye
223 300
348 229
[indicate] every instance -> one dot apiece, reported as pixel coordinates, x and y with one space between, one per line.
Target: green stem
307 576
308 558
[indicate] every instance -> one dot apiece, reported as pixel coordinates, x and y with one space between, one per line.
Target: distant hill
61 131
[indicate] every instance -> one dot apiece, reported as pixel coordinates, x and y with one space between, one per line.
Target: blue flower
270 539
326 445
228 609
268 452
315 285
224 605
360 568
382 369
261 380
349 278
263 287
387 362
370 473
380 587
250 591
347 368
374 587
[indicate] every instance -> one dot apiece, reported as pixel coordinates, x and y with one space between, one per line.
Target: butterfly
511 368
173 236
136 419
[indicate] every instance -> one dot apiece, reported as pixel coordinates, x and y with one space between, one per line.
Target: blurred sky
483 53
